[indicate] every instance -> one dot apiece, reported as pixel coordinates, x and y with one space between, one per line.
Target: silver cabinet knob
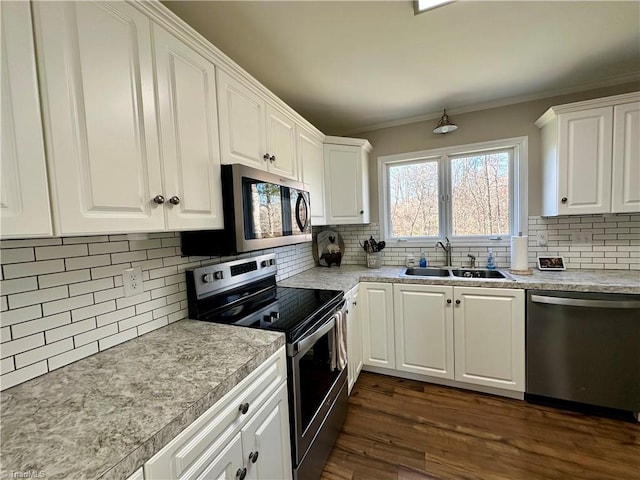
564 199
266 157
158 199
174 200
272 158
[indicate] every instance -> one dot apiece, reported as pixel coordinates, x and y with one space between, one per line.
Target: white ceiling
348 66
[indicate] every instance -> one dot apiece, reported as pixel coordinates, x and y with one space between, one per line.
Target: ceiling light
420 6
445 125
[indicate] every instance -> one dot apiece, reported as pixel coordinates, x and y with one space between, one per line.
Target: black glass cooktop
267 306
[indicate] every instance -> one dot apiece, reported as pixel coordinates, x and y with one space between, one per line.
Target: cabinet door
423 316
281 144
626 158
226 465
489 337
189 133
354 337
343 181
584 175
376 300
312 164
266 442
96 68
241 122
24 198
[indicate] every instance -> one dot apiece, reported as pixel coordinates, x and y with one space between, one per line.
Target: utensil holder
374 260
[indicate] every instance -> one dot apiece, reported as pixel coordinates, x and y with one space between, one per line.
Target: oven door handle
303 344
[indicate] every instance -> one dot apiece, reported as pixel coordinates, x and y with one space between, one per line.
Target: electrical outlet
581 238
542 238
132 281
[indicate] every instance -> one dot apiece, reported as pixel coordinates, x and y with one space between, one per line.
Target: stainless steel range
244 293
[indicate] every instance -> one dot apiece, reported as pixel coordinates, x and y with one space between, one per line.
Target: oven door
315 384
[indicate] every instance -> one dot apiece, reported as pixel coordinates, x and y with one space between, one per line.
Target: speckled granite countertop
347 276
104 416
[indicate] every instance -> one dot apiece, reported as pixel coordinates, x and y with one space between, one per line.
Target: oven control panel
224 276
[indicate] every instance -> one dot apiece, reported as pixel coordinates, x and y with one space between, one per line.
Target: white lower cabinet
473 335
423 317
376 300
354 337
246 433
489 337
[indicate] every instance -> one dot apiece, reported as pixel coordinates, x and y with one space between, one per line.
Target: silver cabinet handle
272 158
174 200
158 199
580 302
266 157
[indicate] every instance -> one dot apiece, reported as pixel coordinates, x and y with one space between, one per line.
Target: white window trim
518 184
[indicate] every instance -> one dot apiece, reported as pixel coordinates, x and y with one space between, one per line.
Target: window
475 194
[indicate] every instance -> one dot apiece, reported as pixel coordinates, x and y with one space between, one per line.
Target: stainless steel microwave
261 210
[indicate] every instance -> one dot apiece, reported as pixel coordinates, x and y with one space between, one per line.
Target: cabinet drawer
204 439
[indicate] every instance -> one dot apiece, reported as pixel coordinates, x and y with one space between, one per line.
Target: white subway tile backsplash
152 325
6 365
42 353
10 379
67 304
25 299
72 355
70 330
11 317
67 293
7 287
87 262
62 251
17 255
92 286
55 279
108 247
95 334
32 268
117 339
40 325
21 345
116 316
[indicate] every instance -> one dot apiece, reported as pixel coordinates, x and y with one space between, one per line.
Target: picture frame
551 264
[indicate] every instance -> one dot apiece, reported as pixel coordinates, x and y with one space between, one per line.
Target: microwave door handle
302 200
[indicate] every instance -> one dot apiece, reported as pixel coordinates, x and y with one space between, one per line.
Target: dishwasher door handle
579 302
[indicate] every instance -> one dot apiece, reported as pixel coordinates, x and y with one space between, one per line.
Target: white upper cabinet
189 134
591 158
346 163
281 144
96 71
253 132
626 158
24 195
312 165
242 123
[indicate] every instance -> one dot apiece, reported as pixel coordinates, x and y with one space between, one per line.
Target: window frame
518 188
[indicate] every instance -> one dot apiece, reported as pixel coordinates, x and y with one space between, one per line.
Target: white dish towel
339 350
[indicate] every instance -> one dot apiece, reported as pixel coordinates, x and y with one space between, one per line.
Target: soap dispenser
423 260
491 261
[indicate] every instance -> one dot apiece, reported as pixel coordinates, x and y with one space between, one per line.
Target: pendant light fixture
445 125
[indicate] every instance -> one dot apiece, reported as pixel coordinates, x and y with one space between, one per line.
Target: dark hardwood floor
407 430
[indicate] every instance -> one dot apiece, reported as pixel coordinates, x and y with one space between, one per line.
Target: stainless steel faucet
447 250
472 260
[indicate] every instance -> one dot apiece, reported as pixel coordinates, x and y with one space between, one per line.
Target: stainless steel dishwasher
584 347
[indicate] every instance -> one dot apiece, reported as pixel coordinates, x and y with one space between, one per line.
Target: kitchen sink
476 273
425 272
